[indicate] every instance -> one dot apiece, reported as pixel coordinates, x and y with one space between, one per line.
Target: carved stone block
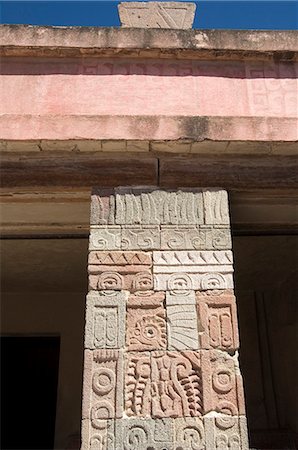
138 384
216 207
102 207
120 259
182 321
101 437
103 386
146 323
105 320
142 207
105 238
218 318
176 384
145 237
113 280
192 260
194 238
223 390
226 433
120 271
145 434
157 14
193 281
189 434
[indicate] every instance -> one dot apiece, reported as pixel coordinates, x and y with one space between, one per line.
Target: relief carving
103 386
146 323
176 385
231 437
159 207
105 320
189 434
182 321
218 317
138 384
145 434
216 208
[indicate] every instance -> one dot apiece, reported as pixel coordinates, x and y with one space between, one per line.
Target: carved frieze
192 281
130 271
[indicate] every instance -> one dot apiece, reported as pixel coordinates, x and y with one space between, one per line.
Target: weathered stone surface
226 433
146 323
182 321
99 437
120 258
145 434
223 390
102 206
191 258
176 15
103 386
193 281
120 270
195 238
190 434
138 384
218 319
112 280
154 207
105 238
136 237
216 209
176 384
161 371
105 320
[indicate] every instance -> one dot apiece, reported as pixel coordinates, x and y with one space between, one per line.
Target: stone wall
161 367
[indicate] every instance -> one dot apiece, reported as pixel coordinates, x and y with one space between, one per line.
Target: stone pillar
161 366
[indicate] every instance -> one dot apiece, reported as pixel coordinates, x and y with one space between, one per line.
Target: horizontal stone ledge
126 147
227 171
27 40
15 127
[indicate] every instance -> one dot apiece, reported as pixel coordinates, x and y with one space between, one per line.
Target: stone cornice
27 40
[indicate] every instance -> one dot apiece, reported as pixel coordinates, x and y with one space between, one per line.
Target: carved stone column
161 366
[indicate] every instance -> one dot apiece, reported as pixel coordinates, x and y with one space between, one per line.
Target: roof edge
29 40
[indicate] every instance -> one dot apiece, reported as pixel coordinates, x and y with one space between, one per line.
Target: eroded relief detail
161 324
103 385
217 312
182 321
105 320
146 323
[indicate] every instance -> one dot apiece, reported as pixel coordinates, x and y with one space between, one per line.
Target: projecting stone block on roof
174 15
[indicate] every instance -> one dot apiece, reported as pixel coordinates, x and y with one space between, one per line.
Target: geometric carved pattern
161 324
217 312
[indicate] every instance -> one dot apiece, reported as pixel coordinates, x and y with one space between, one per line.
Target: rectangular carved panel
103 385
182 321
146 322
218 318
105 320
